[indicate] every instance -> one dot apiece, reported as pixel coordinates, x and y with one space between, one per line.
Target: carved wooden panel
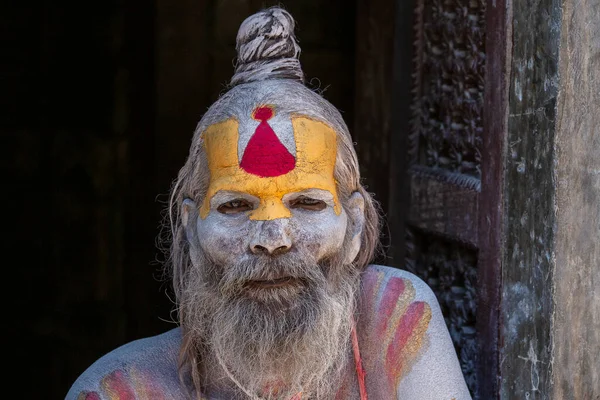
448 90
444 202
444 147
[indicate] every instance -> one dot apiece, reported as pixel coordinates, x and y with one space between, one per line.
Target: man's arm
436 373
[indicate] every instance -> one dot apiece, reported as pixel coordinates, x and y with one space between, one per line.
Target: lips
273 283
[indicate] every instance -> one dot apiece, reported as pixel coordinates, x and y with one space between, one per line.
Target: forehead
266 144
269 154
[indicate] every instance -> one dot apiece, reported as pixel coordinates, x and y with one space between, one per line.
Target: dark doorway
98 109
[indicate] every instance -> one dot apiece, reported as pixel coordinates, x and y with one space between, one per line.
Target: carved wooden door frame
464 207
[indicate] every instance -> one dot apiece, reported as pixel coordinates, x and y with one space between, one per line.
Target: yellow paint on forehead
315 161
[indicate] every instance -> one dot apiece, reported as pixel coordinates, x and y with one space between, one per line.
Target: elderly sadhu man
272 235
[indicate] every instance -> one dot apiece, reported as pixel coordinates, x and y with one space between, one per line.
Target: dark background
99 103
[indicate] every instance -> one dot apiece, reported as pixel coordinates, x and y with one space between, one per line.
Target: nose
271 237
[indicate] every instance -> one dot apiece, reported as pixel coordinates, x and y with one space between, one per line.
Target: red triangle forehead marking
265 155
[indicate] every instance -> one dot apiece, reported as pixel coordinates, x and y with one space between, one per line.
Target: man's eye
307 203
234 206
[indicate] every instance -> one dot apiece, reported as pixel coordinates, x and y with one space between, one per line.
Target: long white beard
281 342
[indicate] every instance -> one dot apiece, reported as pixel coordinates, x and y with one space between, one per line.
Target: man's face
272 194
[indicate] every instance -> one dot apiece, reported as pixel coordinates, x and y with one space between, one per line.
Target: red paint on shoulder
117 384
392 292
370 283
88 396
265 155
406 328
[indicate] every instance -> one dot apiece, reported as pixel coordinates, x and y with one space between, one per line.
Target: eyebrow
317 194
223 196
228 195
313 192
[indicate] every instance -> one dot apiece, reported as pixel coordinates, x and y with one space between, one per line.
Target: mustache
232 278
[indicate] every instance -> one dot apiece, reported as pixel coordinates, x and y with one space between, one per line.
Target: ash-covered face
272 191
313 231
272 287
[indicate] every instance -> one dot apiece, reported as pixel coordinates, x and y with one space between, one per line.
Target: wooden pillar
576 291
542 220
490 222
528 222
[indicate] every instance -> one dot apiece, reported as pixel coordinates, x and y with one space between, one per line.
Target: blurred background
99 103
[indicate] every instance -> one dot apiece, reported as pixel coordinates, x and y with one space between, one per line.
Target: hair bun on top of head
267 48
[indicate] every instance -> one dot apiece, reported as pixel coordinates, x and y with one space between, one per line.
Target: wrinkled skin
230 238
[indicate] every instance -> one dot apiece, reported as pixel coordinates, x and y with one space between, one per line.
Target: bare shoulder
407 348
393 295
143 368
381 276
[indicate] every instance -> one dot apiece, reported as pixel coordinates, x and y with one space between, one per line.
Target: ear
356 222
189 215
